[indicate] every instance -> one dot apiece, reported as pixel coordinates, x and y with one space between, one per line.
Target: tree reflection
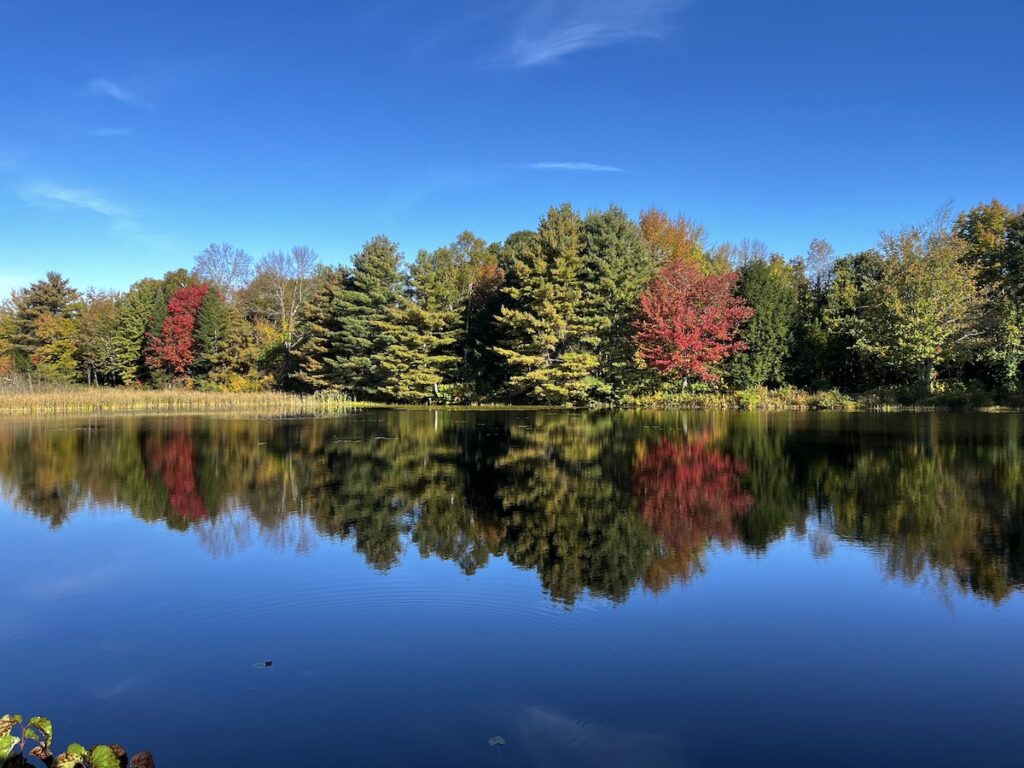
595 502
172 459
690 494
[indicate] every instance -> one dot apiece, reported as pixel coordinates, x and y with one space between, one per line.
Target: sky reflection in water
596 588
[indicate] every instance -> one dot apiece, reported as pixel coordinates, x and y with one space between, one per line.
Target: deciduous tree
689 320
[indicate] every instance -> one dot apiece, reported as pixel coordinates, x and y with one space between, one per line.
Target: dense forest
587 309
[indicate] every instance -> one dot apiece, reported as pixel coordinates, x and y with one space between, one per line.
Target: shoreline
87 400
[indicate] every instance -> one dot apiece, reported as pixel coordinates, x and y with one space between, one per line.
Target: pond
594 588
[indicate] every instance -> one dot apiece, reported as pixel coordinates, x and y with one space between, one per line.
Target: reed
72 399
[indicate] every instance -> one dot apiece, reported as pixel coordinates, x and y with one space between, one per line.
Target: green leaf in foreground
44 726
73 757
103 757
7 743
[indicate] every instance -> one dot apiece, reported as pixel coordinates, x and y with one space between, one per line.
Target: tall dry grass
81 399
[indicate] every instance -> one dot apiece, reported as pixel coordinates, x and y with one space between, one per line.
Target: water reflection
598 502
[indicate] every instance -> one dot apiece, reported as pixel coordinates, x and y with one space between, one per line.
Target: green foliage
770 289
549 316
20 741
44 327
993 236
342 348
139 314
618 265
547 338
923 308
423 334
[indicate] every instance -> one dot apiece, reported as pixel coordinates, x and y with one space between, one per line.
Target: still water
597 589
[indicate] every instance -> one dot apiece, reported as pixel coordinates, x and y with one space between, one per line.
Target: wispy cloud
101 86
552 30
594 167
108 132
42 193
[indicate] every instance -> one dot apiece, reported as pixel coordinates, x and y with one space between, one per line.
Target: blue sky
134 133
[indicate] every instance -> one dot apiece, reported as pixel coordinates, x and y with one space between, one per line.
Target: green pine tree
618 266
425 331
343 344
548 343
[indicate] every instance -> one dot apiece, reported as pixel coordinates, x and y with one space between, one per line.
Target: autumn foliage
689 494
688 321
173 349
173 459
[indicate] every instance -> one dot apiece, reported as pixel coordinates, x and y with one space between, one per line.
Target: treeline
600 502
584 309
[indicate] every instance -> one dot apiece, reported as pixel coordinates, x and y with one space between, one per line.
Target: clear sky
134 133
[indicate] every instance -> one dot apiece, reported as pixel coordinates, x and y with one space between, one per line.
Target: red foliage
174 348
688 320
689 494
174 459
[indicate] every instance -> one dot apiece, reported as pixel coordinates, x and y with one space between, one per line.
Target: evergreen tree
44 327
618 267
769 288
546 339
426 329
139 313
212 334
344 347
319 324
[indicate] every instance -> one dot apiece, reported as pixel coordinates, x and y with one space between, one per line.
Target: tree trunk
925 369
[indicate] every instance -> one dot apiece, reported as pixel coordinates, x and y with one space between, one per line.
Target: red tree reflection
689 494
173 457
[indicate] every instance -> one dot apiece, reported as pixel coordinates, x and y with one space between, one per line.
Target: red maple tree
688 320
173 349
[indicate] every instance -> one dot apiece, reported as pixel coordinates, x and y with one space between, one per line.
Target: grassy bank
58 400
81 399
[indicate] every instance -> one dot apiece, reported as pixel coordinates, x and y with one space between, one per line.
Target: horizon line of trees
583 309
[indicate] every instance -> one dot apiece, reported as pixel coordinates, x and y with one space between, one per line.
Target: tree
342 349
618 266
481 366
97 334
212 334
769 289
994 239
688 321
174 349
674 239
546 339
424 329
843 306
284 281
923 308
54 350
820 258
42 335
225 267
319 326
139 314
